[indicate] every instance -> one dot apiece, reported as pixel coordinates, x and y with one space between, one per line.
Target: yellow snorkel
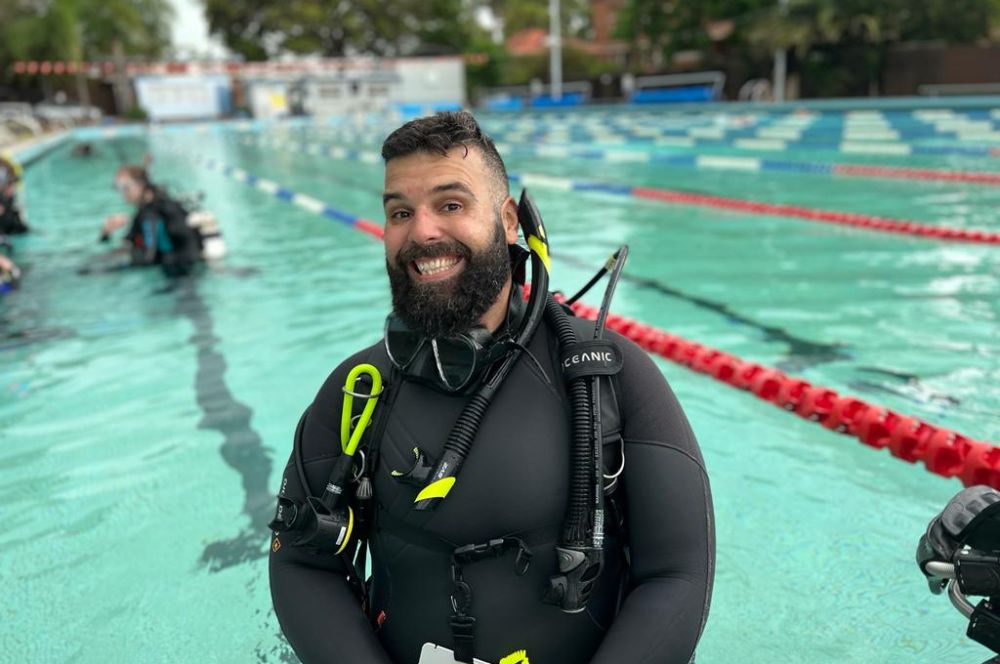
327 522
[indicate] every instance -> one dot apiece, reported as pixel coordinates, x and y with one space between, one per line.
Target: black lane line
801 353
242 447
906 385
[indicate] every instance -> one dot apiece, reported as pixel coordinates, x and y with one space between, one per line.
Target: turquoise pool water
142 434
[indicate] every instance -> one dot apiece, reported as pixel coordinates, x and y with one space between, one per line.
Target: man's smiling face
446 235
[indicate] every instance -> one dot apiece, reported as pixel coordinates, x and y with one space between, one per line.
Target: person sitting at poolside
11 220
159 233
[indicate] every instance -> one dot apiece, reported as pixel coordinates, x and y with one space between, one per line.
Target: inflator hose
575 526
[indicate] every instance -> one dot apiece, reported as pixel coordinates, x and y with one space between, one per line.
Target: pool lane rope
779 140
757 165
763 165
942 451
669 196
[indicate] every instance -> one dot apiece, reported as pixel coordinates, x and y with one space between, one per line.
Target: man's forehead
459 161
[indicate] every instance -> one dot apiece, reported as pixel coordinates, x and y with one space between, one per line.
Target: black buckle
463 633
461 598
471 553
463 625
285 514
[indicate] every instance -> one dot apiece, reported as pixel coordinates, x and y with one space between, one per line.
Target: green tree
515 15
32 32
81 30
842 44
141 26
657 29
843 41
257 29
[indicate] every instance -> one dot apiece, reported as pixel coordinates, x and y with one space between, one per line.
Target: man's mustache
414 252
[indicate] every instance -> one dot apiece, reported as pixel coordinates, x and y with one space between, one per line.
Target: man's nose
425 227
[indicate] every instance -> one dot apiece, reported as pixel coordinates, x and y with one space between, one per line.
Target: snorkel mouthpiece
459 442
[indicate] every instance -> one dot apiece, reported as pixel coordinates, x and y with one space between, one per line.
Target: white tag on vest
432 654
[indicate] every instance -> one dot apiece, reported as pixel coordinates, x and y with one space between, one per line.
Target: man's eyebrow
447 186
454 186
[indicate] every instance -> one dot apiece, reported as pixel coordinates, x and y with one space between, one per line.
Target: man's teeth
435 265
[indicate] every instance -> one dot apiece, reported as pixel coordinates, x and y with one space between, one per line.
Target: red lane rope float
861 170
942 451
826 216
370 227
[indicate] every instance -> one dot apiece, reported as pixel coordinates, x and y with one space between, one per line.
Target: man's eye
452 207
400 214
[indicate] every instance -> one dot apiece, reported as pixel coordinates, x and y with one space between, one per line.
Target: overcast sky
190 31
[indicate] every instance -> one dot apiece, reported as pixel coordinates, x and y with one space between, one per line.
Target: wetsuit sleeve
317 609
669 525
11 222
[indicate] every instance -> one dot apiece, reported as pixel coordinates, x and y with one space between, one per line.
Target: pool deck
32 149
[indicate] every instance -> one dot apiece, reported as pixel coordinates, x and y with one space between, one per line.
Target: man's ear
509 214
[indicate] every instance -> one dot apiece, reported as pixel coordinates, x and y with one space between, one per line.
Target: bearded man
469 553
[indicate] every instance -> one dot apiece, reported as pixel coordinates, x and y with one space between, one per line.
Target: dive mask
451 363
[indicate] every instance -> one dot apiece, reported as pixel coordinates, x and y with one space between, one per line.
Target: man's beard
438 309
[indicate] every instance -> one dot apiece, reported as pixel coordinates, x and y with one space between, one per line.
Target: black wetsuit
11 222
160 235
514 482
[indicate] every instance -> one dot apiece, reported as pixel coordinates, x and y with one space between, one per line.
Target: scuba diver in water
11 220
82 151
159 233
529 489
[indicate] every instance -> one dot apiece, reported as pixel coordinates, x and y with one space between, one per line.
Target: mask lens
456 361
401 343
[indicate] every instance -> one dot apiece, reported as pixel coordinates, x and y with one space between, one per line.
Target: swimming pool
142 434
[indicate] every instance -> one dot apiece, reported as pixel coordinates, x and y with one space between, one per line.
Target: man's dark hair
437 134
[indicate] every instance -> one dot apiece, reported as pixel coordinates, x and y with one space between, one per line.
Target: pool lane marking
755 164
835 217
967 126
827 132
741 163
777 140
769 384
303 201
242 447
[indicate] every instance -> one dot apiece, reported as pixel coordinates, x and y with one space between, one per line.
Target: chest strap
461 621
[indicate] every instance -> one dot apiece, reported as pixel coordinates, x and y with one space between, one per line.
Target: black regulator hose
463 433
575 525
580 552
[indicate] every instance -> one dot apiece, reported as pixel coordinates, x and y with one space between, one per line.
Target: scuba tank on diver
205 226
